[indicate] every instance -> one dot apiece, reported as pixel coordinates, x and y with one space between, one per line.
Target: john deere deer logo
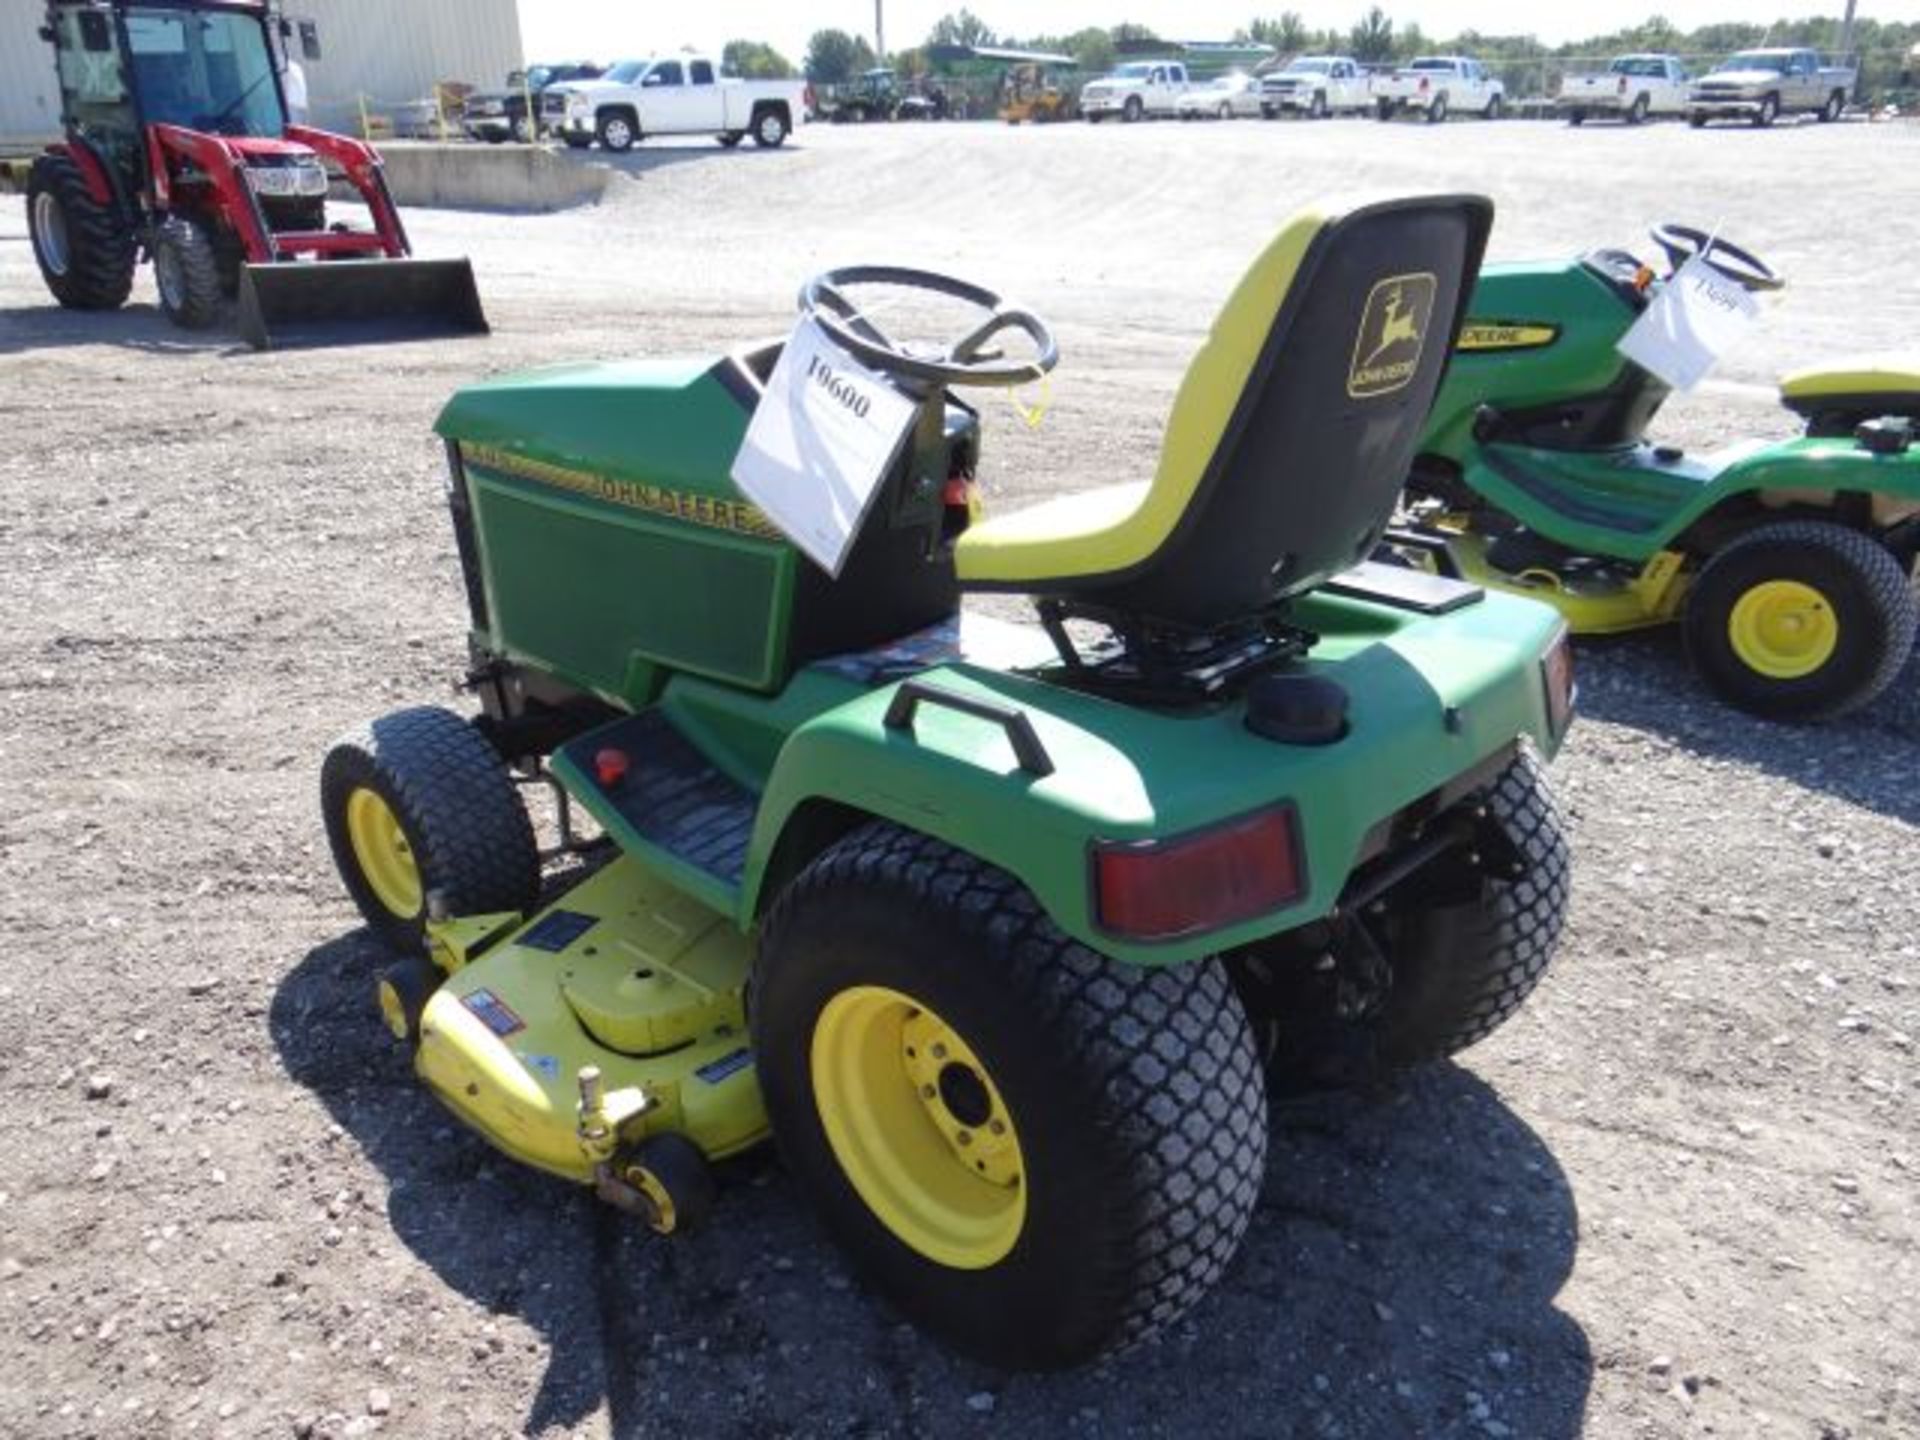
1393 332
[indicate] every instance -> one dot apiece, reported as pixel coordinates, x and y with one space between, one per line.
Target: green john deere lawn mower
1001 931
1787 565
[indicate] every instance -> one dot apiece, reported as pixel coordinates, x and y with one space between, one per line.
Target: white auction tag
1692 322
822 439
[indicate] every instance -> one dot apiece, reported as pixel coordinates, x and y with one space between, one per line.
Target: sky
593 29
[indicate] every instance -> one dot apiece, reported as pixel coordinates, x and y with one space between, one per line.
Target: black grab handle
1027 748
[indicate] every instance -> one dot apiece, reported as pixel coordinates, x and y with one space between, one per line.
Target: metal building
389 51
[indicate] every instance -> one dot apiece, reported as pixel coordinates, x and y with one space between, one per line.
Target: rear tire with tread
466 827
1868 591
1461 971
96 272
1135 1095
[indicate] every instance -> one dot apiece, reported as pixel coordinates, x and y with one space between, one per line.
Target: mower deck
625 973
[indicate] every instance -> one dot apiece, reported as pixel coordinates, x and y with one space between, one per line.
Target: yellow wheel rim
381 850
1783 629
393 1010
919 1127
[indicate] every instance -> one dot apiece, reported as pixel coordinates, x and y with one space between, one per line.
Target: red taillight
1623 84
1424 82
1163 889
1557 671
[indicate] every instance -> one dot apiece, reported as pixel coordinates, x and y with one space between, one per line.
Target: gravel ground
1676 1195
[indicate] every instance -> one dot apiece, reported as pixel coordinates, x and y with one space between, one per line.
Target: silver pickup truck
1759 86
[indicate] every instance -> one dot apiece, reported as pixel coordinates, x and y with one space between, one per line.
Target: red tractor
179 148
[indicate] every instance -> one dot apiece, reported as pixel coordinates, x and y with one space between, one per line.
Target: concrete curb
489 177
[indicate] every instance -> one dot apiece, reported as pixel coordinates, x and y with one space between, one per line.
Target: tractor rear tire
1115 1112
1457 960
415 803
86 255
186 272
1460 971
1802 620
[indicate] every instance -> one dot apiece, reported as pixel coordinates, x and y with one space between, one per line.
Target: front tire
1039 1154
1803 620
86 256
1133 109
418 802
617 132
1317 109
1769 112
1496 107
186 272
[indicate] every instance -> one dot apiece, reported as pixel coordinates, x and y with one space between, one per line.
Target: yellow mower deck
625 974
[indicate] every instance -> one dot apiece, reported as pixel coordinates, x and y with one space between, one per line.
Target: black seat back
1304 476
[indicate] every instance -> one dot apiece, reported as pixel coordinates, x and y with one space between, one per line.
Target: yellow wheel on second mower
1783 629
919 1127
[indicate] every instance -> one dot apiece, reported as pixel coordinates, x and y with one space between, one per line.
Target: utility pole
880 28
1846 28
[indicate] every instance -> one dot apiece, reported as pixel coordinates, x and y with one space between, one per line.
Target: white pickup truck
1135 90
1760 86
1317 86
1632 88
1436 85
672 95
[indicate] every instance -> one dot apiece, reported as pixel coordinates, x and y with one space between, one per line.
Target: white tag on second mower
1692 322
822 439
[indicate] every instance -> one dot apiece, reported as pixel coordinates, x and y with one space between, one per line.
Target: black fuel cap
1297 709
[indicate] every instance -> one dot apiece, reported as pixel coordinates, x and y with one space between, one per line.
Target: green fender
1432 700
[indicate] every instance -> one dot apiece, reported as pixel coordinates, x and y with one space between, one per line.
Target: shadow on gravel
133 327
1866 758
1399 1278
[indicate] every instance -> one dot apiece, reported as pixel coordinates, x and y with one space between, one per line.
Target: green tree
754 60
1092 49
1371 39
963 28
1131 34
1289 34
834 57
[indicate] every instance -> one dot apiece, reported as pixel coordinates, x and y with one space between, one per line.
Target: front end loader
178 148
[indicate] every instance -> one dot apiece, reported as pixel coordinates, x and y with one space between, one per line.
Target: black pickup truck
495 115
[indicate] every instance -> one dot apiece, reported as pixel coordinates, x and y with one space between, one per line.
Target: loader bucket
353 302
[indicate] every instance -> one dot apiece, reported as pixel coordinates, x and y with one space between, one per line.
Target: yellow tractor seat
1861 386
1289 437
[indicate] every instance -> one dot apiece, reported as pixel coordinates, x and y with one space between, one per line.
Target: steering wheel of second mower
1743 267
965 362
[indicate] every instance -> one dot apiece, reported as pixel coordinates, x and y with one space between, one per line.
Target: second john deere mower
1787 565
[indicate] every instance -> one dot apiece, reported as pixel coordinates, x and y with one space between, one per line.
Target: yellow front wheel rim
1783 629
393 1010
919 1127
383 853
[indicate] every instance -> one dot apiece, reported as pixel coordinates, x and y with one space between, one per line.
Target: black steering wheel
1743 267
965 362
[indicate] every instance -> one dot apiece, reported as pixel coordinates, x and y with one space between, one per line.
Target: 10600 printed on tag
1693 321
823 437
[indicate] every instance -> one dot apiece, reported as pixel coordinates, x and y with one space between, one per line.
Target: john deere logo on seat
1393 332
